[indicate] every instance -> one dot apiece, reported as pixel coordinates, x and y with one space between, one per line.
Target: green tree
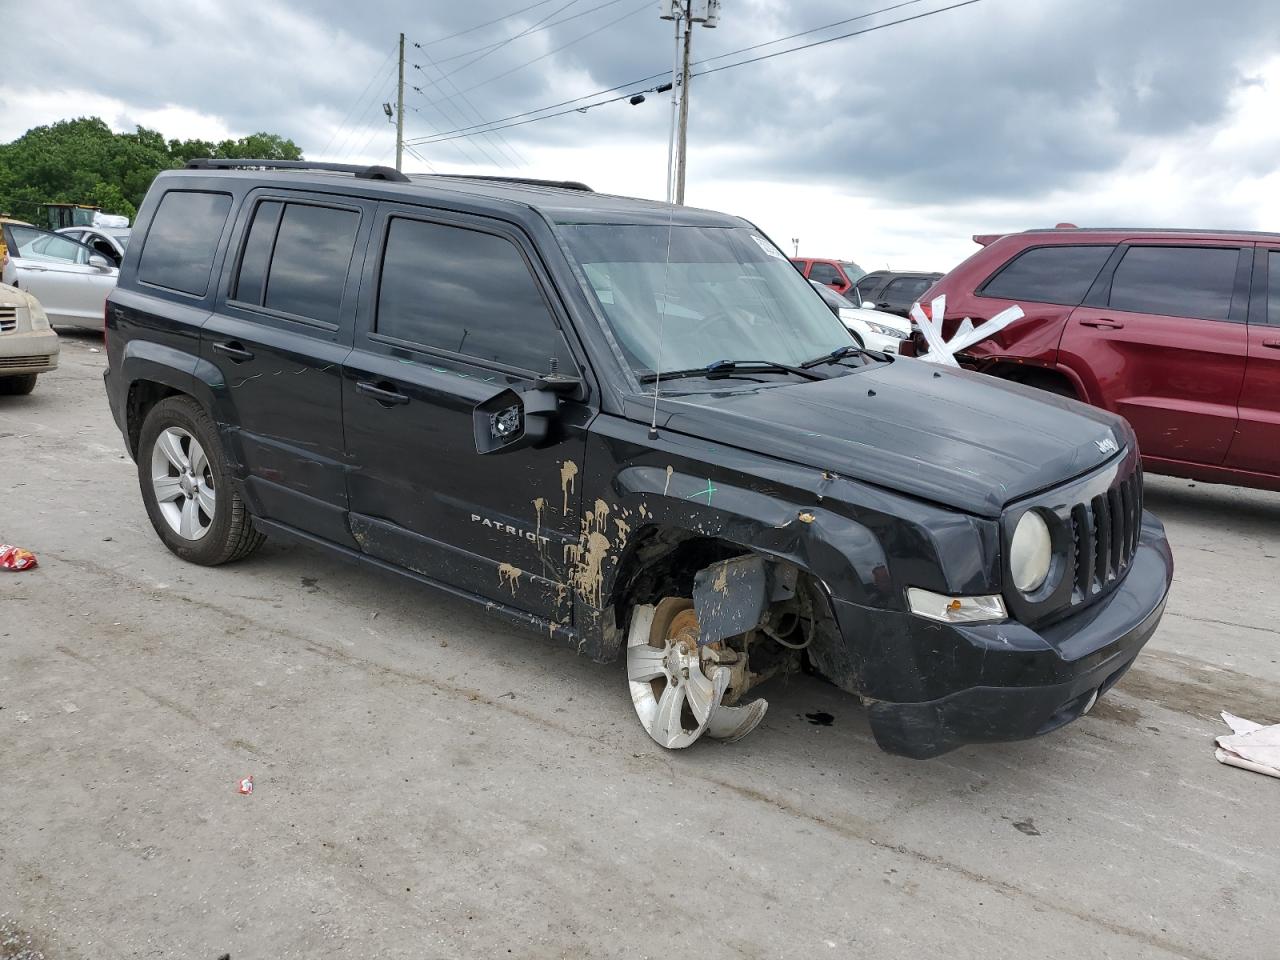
83 161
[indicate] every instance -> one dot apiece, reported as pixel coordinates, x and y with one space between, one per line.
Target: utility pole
688 12
400 109
683 141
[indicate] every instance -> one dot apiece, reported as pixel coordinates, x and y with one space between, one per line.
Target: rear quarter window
1058 274
183 239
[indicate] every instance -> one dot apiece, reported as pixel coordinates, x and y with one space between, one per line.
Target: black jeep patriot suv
632 426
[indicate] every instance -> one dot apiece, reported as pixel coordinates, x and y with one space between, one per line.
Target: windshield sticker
768 247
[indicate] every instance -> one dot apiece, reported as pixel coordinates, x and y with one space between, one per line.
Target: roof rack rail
528 181
361 171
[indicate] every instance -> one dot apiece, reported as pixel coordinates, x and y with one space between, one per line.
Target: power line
563 103
589 33
456 145
504 147
487 23
357 128
843 36
805 33
536 29
523 33
462 131
422 158
351 110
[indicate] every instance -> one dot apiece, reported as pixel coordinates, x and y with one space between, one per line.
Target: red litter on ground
15 558
246 786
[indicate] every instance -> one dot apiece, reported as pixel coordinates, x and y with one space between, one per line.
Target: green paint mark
704 493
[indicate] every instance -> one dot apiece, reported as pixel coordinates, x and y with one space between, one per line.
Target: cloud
895 146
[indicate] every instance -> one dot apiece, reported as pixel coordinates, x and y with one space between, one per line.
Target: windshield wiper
733 368
839 353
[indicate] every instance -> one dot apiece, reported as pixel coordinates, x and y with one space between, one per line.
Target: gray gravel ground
433 783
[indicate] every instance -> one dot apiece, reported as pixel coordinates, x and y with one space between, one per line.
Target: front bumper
28 351
933 687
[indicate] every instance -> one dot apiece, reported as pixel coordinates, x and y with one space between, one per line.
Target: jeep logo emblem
1107 445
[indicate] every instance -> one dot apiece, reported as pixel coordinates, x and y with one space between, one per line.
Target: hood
965 440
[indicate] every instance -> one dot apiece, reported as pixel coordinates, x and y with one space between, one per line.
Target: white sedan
871 328
69 279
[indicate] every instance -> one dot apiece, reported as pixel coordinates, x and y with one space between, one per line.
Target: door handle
385 395
1273 344
1102 324
234 351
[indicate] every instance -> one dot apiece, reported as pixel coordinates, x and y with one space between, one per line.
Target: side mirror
99 262
512 421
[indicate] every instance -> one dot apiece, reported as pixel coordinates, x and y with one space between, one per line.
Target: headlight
882 330
1031 552
936 606
39 321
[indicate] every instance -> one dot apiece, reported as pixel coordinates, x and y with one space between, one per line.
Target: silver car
69 279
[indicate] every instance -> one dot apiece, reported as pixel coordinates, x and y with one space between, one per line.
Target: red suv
1176 330
839 275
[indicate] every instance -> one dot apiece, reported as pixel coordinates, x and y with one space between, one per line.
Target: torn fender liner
732 596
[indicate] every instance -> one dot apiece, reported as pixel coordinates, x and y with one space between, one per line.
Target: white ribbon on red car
944 351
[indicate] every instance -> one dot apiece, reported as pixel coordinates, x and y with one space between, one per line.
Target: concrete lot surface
430 782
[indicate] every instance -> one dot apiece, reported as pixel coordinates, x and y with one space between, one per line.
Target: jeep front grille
1105 529
8 319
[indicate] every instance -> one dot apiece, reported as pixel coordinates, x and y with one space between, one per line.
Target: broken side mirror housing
512 420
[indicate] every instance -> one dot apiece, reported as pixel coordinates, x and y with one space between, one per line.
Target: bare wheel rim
674 694
182 480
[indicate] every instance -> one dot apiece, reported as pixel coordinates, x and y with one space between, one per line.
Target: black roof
559 201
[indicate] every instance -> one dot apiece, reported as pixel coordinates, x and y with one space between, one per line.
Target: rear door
453 309
1161 339
1257 441
280 330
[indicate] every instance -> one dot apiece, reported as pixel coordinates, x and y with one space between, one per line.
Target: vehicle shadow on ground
1255 512
813 729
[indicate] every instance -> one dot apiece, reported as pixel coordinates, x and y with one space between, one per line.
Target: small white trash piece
1250 746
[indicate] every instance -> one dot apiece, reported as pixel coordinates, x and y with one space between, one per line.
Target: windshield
729 293
852 271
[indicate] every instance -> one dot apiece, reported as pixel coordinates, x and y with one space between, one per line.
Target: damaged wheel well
143 395
663 562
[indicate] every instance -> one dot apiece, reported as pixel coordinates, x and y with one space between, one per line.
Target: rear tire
189 494
18 386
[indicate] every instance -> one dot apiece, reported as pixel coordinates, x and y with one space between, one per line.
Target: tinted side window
866 284
251 282
1176 281
825 273
309 266
1273 286
466 292
183 239
906 290
1058 274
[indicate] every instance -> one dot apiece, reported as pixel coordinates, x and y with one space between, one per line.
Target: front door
280 330
1166 344
1257 443
453 309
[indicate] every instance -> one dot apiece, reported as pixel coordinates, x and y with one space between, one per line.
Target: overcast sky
891 148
